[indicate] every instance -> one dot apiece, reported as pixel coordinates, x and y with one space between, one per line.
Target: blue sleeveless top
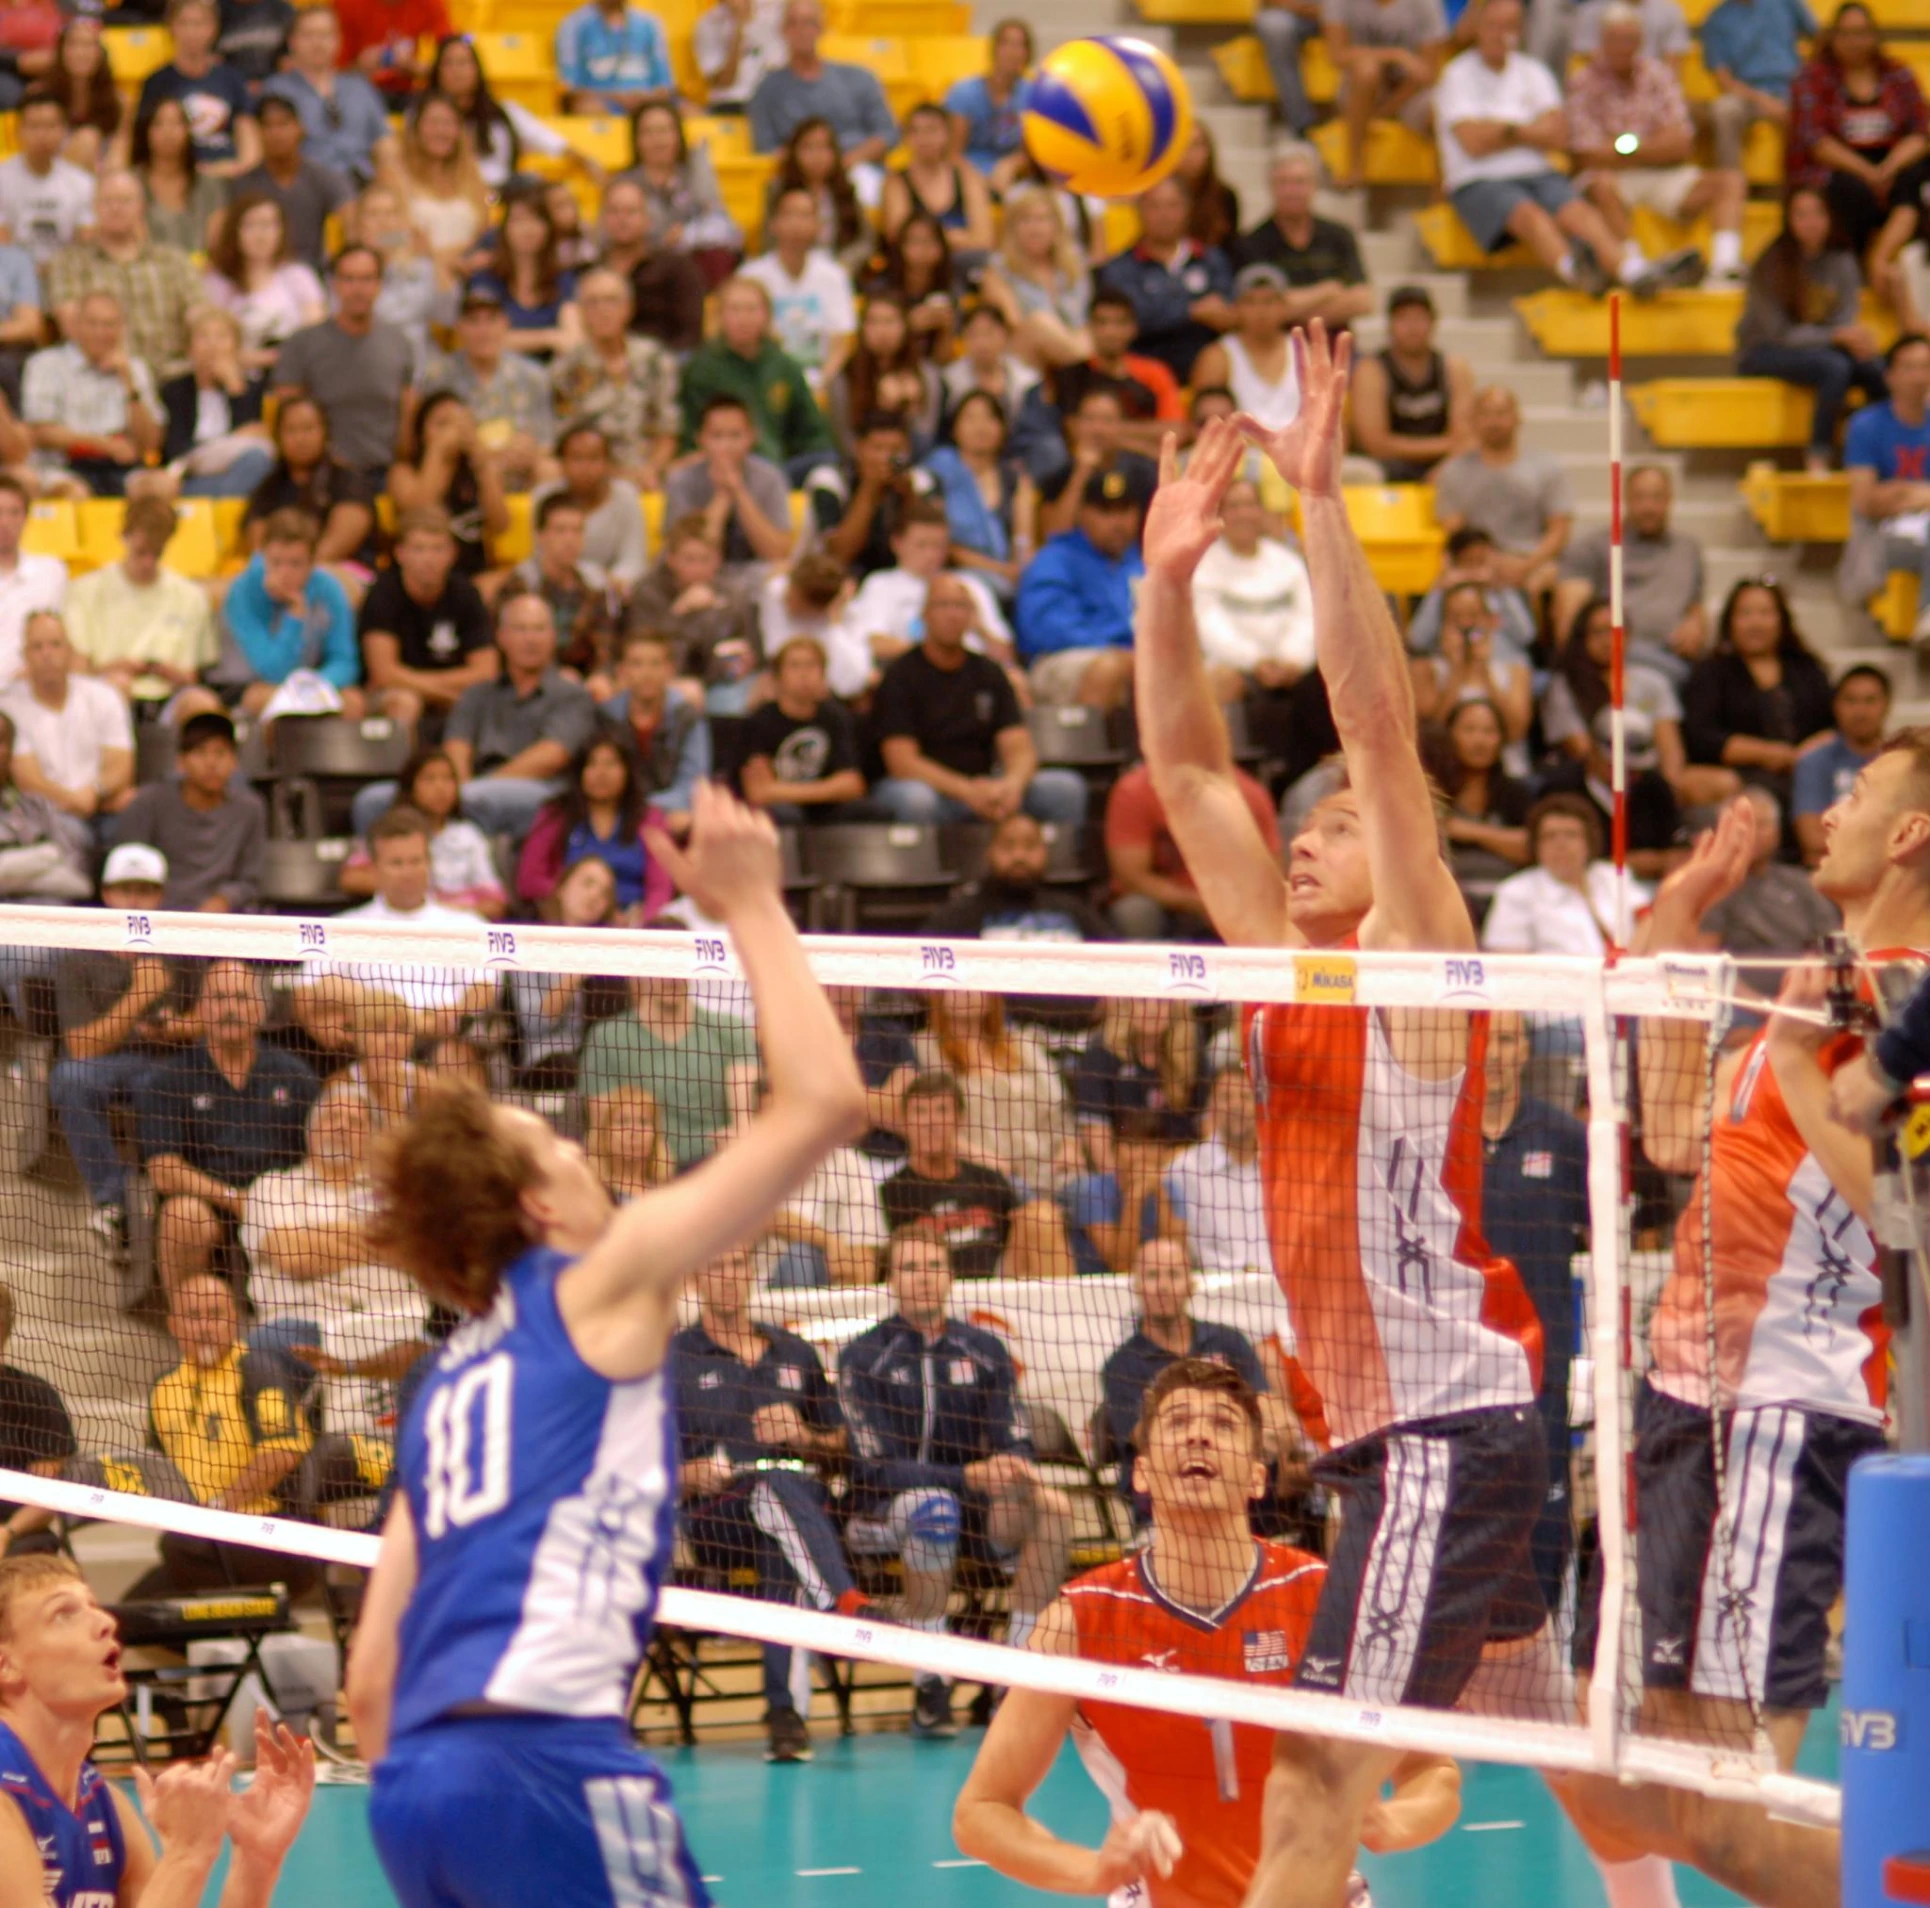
82 1849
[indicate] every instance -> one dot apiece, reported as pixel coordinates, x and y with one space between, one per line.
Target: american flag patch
1264 1650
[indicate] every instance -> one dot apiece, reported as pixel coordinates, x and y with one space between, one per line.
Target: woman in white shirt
252 273
1253 602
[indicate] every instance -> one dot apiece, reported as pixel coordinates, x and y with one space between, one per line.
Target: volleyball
1109 117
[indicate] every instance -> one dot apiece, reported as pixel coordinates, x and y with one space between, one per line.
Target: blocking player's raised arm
1180 724
1364 664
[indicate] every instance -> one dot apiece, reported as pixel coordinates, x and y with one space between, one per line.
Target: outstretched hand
732 857
268 1815
1309 453
1183 522
1717 866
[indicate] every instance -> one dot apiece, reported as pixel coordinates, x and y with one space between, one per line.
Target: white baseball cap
135 861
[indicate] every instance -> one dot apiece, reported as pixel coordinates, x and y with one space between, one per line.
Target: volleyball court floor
868 1825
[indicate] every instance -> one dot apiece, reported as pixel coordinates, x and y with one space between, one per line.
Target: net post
1618 634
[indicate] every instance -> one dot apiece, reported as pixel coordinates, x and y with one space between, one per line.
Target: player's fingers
1169 457
1344 356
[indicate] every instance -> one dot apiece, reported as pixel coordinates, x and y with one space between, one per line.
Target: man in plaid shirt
154 285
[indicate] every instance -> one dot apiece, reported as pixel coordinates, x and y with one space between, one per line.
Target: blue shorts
506 1811
1486 205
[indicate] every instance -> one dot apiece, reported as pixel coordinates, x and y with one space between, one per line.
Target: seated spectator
440 184
253 273
506 395
417 290
1319 258
1145 1056
667 287
1016 1116
425 634
916 269
1008 901
885 372
808 86
1182 296
1751 51
690 1059
986 362
932 182
623 384
810 158
36 1435
1215 224
735 44
1148 397
1039 283
686 204
599 815
1884 453
145 630
861 507
345 125
1253 603
887 613
1410 401
989 500
213 442
82 81
462 868
811 599
662 730
502 134
1114 1212
1857 129
986 109
578 593
740 497
219 108
309 193
1254 360
1776 916
940 1462
214 1118
152 286
46 202
1154 896
1634 145
355 362
1519 497
1668 628
120 1015
1486 824
28 580
813 315
955 746
1214 1186
73 744
44 856
754 1414
1754 702
708 616
612 58
1075 605
1388 56
1803 323
308 476
1470 556
537 290
801 758
287 631
212 832
444 464
1093 451
92 410
613 536
1860 704
1498 122
624 1136
1466 664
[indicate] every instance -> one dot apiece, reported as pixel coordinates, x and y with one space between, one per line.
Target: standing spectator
1009 901
808 86
1623 96
801 761
142 628
1803 319
381 39
1253 603
73 743
286 627
462 868
954 743
92 409
813 315
1750 50
215 97
45 200
309 193
623 384
307 476
443 464
611 58
213 1119
1319 258
1825 775
1410 400
1668 628
1388 54
154 286
1075 603
361 367
708 615
1775 916
1254 361
579 594
667 287
1215 1187
253 274
598 816
1887 454
212 833
214 443
424 631
1519 497
1498 122
665 734
1182 295
506 395
1039 283
344 123
745 362
28 580
987 109
82 81
736 43
613 537
1156 898
183 204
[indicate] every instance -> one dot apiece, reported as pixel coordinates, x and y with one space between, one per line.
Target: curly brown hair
449 1186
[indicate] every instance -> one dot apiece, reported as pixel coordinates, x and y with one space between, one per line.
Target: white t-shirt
34 583
1470 88
425 989
42 215
847 655
1254 609
1224 1209
66 743
1533 913
892 603
840 1198
810 311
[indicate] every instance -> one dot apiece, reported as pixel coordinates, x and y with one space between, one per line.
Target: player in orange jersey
1205 1598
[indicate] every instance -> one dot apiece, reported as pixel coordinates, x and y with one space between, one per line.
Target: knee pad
930 1522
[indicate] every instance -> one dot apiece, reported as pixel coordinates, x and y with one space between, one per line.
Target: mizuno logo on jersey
1321 1669
1667 1653
1264 1650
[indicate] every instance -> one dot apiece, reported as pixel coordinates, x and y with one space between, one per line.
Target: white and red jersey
1373 1191
1210 1777
1798 1306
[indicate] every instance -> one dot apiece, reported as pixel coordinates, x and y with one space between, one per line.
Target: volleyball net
1084 1159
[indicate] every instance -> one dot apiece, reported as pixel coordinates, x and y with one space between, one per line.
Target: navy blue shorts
1434 1559
510 1811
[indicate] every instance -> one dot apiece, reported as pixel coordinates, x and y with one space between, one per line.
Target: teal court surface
868 1825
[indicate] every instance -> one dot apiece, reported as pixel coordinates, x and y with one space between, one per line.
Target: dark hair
401 821
225 253
936 1084
1869 670
351 250
789 176
1780 267
294 402
1210 391
1467 538
922 513
722 401
646 636
1198 1374
1575 808
551 504
564 439
864 370
892 273
140 153
209 726
574 807
1215 209
1107 298
1789 642
413 767
983 308
484 111
1826 39
1587 685
292 526
150 517
549 268
1454 772
101 107
417 438
636 130
40 95
872 422
990 403
1903 343
925 1231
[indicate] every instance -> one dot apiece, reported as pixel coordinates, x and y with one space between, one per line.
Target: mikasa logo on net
1328 977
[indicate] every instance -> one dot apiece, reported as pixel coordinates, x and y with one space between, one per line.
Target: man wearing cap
1075 605
1255 359
1181 291
213 835
1318 258
507 394
1411 402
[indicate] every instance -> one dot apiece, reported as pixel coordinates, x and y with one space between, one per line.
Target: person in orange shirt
1204 1598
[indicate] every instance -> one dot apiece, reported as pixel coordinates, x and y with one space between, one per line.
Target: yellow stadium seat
899 18
1119 231
195 549
475 16
886 59
653 521
1792 506
605 140
520 66
1318 73
1762 219
743 182
1762 155
519 539
1678 324
53 529
1396 154
9 134
1698 83
135 52
1723 413
1243 68
1452 246
728 135
941 60
229 515
1198 12
1395 523
1895 606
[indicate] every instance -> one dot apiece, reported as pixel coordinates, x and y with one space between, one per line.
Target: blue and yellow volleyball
1110 117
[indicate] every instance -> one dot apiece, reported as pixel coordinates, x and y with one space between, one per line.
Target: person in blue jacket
1075 609
285 613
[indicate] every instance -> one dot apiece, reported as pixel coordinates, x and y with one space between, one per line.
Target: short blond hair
18 1575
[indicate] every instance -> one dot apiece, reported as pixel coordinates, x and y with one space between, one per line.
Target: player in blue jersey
70 1840
503 1626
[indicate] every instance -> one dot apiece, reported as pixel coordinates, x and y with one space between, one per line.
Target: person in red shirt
1203 1598
380 39
1155 898
1147 391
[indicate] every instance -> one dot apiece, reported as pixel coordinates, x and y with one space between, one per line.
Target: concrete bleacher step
1482 341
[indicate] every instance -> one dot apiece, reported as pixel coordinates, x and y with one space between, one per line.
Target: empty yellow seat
520 66
742 182
518 540
1794 506
1678 324
941 60
1723 413
653 521
1318 73
1198 12
1895 606
1396 154
728 135
606 140
1762 219
135 52
901 18
1242 61
53 529
1762 155
1119 230
1395 523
